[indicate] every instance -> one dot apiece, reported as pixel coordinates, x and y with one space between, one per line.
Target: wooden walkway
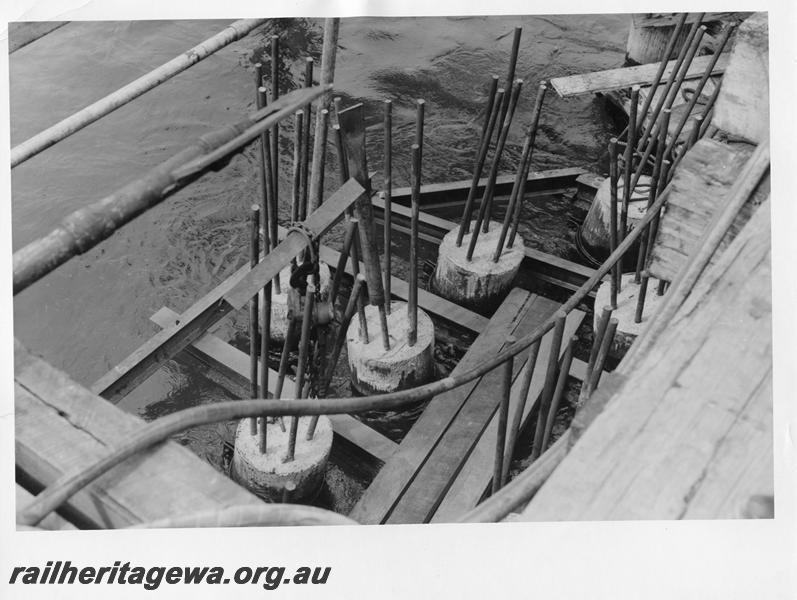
697 191
688 434
445 460
62 427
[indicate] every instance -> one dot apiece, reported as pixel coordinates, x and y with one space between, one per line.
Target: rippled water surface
92 312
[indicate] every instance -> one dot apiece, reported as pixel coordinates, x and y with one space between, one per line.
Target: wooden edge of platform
220 355
62 427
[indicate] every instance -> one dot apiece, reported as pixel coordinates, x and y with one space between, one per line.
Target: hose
162 429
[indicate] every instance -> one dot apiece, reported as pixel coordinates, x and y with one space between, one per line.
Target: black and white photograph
502 278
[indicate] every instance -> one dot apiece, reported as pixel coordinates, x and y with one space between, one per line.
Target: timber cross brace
233 294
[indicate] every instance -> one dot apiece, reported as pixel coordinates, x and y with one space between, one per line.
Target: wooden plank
62 427
21 34
615 79
378 500
670 20
231 295
475 478
220 355
742 108
692 422
434 478
697 191
433 193
538 262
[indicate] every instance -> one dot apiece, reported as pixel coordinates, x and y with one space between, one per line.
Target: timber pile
697 191
688 435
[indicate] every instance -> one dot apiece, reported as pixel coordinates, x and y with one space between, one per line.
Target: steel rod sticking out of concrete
319 159
254 257
535 121
352 122
640 302
503 417
348 238
328 55
481 156
603 353
420 113
550 382
654 85
305 175
266 213
628 160
564 372
265 343
613 241
296 198
510 76
679 61
412 304
301 367
388 195
275 147
674 85
488 191
646 239
699 89
597 340
340 338
517 185
517 417
290 338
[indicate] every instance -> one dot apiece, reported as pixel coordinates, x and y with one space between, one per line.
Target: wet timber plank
378 500
62 427
697 192
615 79
234 364
430 484
474 479
689 433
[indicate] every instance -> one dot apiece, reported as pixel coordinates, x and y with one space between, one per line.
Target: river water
92 312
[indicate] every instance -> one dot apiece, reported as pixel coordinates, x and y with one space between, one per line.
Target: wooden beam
615 79
378 500
234 364
434 478
61 427
669 20
434 193
231 295
474 479
548 267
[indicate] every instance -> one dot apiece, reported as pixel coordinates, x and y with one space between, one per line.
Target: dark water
91 313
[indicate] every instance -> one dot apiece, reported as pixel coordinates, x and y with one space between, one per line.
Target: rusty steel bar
503 417
550 381
481 157
254 257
